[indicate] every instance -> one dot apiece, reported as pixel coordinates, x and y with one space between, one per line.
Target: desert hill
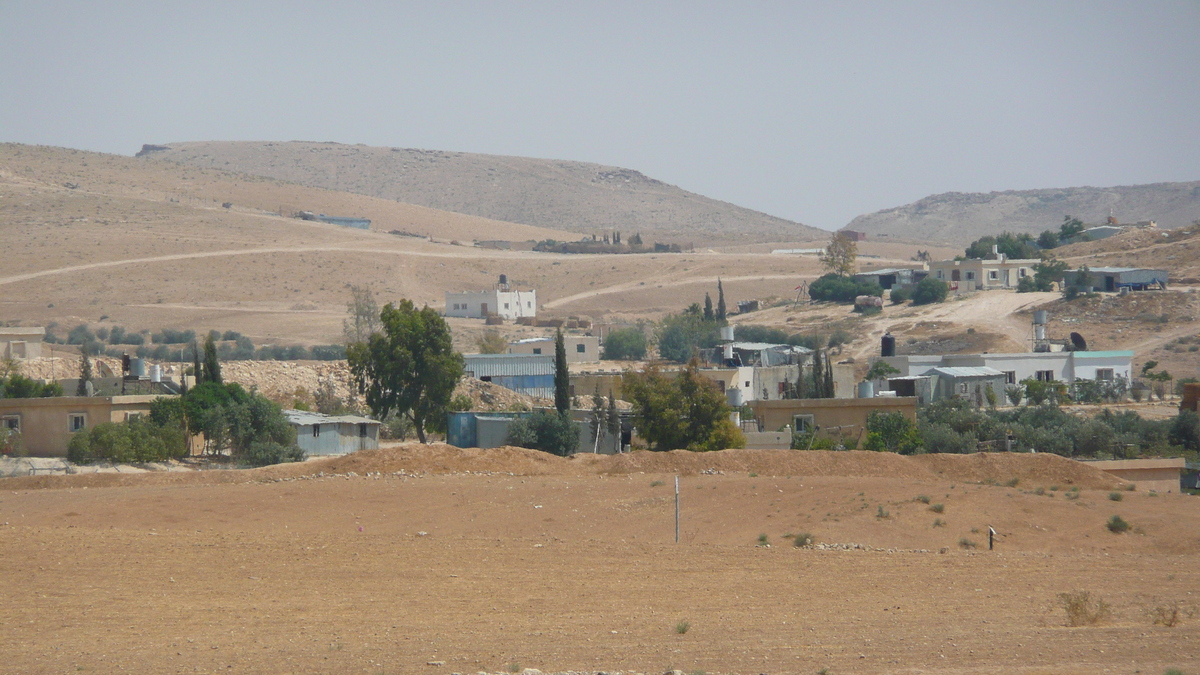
960 218
577 196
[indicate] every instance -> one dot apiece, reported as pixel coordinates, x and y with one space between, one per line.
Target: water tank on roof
156 373
866 389
1041 317
887 345
137 368
734 396
727 333
503 279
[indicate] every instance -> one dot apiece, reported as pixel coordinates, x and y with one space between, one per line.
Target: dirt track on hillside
494 560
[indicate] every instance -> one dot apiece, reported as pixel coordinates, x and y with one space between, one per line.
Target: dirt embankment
439 458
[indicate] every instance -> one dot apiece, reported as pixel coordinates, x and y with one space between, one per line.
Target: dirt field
427 559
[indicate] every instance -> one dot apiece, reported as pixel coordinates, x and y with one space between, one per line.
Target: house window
76 422
1022 272
963 388
11 422
580 348
1104 374
362 430
939 274
747 384
506 305
970 276
132 416
802 423
316 430
1045 376
529 304
1010 377
537 350
993 275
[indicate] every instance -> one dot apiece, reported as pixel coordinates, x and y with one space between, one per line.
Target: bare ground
505 559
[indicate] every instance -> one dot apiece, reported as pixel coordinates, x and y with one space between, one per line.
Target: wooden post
676 509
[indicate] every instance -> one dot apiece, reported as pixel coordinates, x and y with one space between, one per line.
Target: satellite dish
1079 342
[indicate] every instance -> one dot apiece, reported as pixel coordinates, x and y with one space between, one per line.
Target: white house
580 348
479 304
1043 366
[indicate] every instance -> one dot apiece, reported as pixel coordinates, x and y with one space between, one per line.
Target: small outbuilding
892 276
320 435
531 374
1113 279
1152 475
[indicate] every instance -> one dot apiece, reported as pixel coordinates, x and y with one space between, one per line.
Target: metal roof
967 371
1120 270
888 270
533 339
759 346
1102 354
500 365
307 418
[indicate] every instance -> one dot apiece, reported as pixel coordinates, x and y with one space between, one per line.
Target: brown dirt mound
765 462
437 458
1029 469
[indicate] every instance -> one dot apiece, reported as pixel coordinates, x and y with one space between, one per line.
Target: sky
814 112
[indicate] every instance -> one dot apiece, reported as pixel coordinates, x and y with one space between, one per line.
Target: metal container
866 389
727 333
727 352
1041 317
156 373
734 396
887 345
137 368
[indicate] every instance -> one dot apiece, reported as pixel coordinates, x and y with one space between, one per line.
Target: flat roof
307 417
1120 270
967 371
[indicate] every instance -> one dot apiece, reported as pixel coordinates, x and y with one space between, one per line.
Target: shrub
1081 609
967 543
138 440
625 344
882 514
836 288
938 508
547 431
805 539
900 295
1171 615
938 522
929 291
1117 525
1115 496
682 627
891 432
264 453
924 499
764 540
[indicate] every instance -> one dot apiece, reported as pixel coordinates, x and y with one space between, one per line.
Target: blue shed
531 374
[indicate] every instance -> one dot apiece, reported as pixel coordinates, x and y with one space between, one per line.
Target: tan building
982 275
21 343
580 348
46 424
1151 475
844 417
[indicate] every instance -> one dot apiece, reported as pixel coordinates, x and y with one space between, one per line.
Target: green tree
929 291
625 344
197 367
891 432
680 335
1047 273
1015 246
840 255
85 371
1048 240
409 368
721 308
708 308
1070 227
547 431
835 288
881 370
212 365
17 385
613 420
491 342
562 375
684 411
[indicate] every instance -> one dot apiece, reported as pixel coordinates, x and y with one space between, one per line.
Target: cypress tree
828 378
197 370
85 371
212 367
614 419
818 375
720 301
562 377
708 308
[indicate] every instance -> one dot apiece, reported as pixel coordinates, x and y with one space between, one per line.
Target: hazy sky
816 112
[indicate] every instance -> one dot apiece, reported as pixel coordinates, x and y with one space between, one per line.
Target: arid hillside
576 196
430 559
960 218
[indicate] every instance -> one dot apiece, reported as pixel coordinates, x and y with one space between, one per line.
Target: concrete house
892 276
320 435
844 418
510 305
981 275
21 343
47 424
580 348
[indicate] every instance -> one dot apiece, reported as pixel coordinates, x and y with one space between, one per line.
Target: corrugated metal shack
1113 279
968 382
319 434
892 276
531 374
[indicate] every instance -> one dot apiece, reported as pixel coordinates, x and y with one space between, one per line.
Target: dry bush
1082 610
1171 615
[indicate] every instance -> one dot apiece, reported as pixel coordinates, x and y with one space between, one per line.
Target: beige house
1151 475
46 424
21 343
981 275
580 348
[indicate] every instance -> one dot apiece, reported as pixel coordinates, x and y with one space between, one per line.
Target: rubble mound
1030 469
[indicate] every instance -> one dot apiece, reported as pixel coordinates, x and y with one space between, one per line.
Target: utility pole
676 509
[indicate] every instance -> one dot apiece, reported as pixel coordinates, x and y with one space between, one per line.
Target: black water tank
887 346
503 279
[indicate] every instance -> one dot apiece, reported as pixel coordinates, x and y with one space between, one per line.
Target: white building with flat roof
510 305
